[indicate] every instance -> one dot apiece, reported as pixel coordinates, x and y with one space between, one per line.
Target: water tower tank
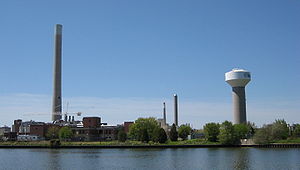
238 79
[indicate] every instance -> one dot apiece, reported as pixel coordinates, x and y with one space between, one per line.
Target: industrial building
89 129
94 130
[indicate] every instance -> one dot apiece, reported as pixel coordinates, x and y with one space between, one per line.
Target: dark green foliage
296 132
184 131
122 136
211 131
251 129
65 133
52 132
117 130
54 143
137 130
173 133
144 136
155 135
263 135
160 135
227 134
280 130
241 130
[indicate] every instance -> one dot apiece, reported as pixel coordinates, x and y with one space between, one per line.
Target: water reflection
187 158
54 159
241 159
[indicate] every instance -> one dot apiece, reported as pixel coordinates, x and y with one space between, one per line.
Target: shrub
54 143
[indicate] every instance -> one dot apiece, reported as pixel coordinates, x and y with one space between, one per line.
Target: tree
251 129
173 133
65 133
137 130
296 132
280 130
184 131
227 134
263 135
144 136
160 135
122 136
117 130
241 130
211 131
52 132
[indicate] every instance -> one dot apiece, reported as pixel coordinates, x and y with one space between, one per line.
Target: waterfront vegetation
147 132
131 143
110 143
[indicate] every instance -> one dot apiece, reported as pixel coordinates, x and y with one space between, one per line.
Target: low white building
28 138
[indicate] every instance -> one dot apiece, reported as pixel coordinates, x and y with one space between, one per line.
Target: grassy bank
131 143
31 143
289 141
109 143
138 143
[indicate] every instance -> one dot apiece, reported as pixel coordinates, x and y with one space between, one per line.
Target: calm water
192 158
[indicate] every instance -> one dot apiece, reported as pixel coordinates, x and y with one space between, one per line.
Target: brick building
94 130
127 125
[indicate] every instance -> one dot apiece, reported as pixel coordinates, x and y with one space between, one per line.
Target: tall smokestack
176 110
164 112
56 105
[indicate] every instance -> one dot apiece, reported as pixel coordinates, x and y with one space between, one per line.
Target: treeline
148 129
229 134
278 130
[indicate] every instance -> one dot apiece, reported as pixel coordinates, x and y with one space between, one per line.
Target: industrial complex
91 128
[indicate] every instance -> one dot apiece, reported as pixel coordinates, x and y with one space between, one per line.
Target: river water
181 158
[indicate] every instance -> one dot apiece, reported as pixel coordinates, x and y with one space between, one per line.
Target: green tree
122 136
144 136
137 130
296 132
251 129
227 134
117 130
280 130
211 131
184 131
155 135
263 135
241 130
173 133
160 135
52 132
65 133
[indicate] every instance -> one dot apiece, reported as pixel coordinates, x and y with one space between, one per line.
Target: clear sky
122 59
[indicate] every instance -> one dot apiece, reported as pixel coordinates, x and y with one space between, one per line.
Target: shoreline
148 146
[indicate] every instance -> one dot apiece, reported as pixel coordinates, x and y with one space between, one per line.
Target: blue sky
122 59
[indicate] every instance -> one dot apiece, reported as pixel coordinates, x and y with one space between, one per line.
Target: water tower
238 79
